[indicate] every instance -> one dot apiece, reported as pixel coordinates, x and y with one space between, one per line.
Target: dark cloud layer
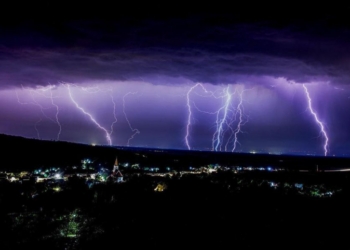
215 47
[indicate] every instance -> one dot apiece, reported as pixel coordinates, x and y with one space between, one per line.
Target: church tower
117 175
116 166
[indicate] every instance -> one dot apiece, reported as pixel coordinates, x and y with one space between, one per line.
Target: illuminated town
55 179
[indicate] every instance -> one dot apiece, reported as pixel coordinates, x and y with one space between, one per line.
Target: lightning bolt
320 124
240 121
224 116
114 115
36 128
203 111
57 112
108 136
94 89
40 106
216 133
189 117
35 103
134 130
217 113
223 120
97 89
51 97
229 128
26 103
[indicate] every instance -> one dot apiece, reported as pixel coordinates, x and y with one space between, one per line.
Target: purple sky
158 58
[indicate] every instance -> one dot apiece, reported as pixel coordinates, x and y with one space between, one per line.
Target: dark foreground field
208 210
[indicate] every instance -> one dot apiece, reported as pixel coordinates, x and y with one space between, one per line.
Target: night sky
218 79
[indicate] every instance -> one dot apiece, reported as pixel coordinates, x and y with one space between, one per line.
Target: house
118 176
160 187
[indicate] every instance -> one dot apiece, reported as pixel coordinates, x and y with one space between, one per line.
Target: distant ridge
33 153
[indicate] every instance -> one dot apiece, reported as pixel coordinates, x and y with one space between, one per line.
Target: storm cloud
213 49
